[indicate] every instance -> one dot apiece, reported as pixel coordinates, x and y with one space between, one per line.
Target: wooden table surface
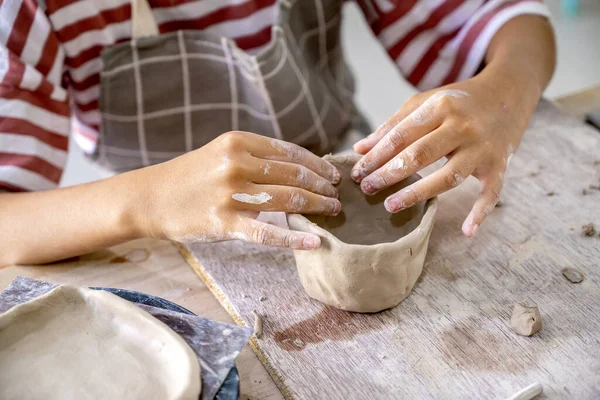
156 267
451 338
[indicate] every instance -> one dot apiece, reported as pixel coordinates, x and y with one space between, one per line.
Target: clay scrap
526 321
258 324
589 229
572 275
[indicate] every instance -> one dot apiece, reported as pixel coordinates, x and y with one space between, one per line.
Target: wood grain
450 338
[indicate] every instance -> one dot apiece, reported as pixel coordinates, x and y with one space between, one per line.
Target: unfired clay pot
369 259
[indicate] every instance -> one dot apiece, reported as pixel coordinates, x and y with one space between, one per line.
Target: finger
287 174
425 118
285 199
278 150
449 176
420 122
271 235
365 145
415 157
491 186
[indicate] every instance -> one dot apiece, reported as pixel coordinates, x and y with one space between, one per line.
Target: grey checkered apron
166 94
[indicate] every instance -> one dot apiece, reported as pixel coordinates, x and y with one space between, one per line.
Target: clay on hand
369 259
526 321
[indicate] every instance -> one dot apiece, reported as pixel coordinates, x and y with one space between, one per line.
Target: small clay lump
526 321
588 229
572 275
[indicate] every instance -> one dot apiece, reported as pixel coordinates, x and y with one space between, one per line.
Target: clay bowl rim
420 231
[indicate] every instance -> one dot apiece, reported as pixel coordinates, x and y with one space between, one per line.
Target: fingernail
337 207
367 187
336 176
465 227
358 173
392 204
373 183
310 243
469 227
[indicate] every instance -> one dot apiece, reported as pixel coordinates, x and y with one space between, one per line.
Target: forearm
521 59
210 194
51 225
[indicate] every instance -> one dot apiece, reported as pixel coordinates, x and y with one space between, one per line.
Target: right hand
216 192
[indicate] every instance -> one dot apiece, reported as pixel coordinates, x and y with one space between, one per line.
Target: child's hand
474 125
216 192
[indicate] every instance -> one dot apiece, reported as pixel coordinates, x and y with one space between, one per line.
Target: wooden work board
450 339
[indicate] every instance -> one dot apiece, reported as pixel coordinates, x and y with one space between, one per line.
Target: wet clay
363 219
526 321
369 259
87 344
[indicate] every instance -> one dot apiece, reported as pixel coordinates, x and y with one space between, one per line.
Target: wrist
514 87
130 205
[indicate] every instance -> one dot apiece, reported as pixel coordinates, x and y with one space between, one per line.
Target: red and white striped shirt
50 59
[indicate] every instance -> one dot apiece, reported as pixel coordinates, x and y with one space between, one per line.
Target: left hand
476 124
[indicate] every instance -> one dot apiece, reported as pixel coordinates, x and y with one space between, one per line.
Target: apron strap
142 20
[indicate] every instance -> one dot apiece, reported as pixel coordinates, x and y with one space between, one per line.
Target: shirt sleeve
437 42
34 111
